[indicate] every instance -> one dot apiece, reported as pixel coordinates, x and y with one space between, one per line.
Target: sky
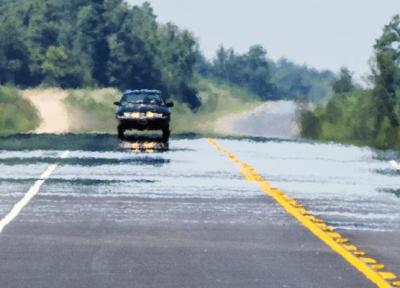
325 34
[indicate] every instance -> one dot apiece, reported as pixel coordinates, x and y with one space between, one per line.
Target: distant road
273 119
51 107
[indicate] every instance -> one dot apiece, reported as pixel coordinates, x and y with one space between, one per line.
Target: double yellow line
370 267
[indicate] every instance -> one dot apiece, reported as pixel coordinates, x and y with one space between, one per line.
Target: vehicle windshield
142 98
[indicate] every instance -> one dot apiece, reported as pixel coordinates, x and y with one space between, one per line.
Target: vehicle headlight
154 115
133 115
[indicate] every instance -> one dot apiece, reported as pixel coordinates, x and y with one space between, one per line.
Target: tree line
94 43
270 80
108 43
364 116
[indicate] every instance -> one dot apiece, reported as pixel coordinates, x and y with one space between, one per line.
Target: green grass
218 101
351 118
16 113
93 110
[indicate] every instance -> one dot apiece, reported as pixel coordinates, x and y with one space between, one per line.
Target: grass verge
92 110
218 101
16 113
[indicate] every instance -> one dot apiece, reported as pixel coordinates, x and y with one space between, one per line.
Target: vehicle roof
143 91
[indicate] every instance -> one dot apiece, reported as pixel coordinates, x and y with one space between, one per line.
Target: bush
351 118
16 113
310 125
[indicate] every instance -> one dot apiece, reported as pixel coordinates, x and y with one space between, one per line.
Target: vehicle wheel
121 132
166 133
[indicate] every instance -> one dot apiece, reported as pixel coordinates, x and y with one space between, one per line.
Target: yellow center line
368 266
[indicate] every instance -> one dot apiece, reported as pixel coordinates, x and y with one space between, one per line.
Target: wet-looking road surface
186 217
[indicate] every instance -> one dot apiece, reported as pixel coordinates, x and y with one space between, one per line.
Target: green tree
293 81
310 125
365 116
251 70
344 83
132 52
386 74
14 54
95 43
41 32
268 79
59 68
258 72
91 41
177 63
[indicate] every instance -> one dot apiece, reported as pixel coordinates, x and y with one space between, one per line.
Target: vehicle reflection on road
144 144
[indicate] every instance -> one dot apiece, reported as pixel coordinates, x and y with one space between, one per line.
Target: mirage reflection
144 144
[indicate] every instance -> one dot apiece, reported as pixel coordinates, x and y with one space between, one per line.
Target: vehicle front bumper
143 123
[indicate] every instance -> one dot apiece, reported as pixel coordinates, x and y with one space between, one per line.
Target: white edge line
32 192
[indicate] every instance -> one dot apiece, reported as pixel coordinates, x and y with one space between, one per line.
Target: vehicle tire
121 132
166 133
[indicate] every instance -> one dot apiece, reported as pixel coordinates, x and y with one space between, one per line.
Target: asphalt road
111 217
283 115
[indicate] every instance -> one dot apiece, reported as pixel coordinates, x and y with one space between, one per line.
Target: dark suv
143 110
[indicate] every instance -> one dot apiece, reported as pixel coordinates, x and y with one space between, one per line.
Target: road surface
186 217
272 119
51 108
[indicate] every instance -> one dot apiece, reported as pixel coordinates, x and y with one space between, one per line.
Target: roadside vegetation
16 113
92 109
218 100
265 78
88 46
364 116
98 44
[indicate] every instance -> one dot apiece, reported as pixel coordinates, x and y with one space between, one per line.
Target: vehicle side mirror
170 104
117 103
